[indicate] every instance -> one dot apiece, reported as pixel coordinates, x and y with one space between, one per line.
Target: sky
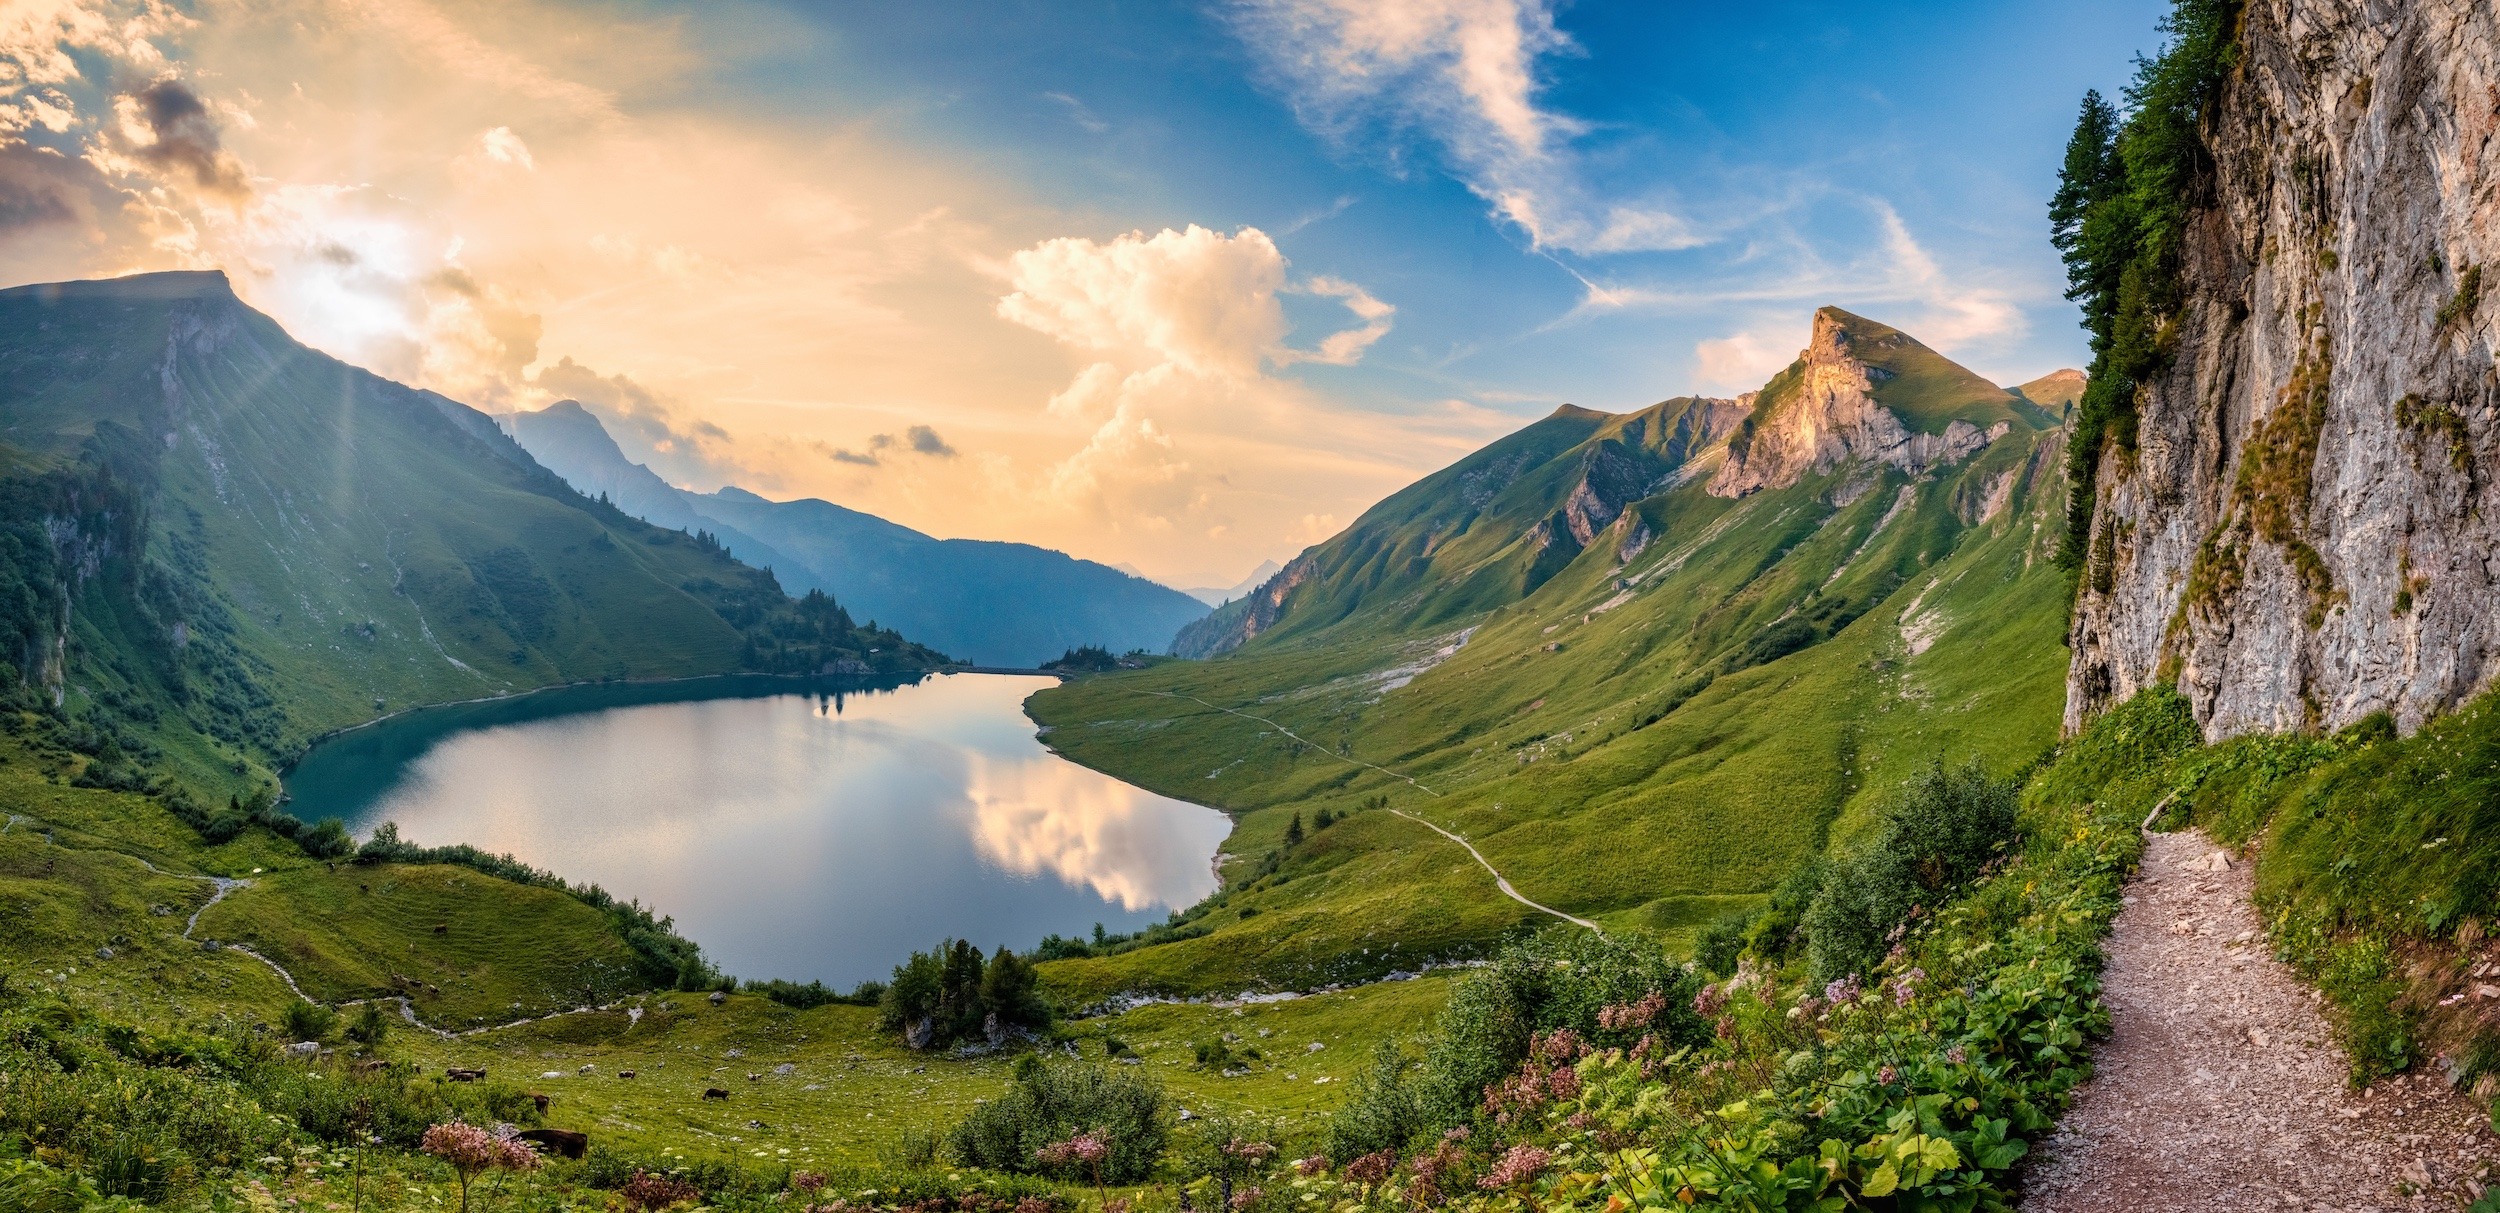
1182 287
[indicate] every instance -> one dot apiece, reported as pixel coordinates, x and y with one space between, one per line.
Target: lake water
801 835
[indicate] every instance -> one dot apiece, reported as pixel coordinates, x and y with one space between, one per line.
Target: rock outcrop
2308 530
1823 412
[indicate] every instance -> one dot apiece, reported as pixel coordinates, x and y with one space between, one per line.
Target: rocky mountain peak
1830 407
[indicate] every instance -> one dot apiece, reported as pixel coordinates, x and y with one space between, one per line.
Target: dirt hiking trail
2220 1088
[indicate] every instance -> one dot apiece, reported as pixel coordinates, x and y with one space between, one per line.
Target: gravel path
2220 1089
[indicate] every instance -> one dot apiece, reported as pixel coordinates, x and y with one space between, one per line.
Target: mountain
1488 530
223 544
2055 392
1215 597
1004 604
1647 664
2298 505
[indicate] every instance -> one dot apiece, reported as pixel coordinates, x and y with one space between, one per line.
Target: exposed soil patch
2219 1087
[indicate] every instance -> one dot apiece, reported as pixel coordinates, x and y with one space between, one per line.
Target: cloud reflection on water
1033 817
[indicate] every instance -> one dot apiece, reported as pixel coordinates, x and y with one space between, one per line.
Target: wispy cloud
1464 74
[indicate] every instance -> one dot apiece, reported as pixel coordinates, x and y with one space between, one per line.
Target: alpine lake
795 830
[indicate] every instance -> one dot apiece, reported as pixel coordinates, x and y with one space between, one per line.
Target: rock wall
2309 528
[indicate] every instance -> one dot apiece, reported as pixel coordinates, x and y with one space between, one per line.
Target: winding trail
1498 878
225 885
2220 1087
1348 759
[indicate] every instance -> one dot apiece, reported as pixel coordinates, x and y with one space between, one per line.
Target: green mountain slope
223 544
1479 534
1008 604
1653 734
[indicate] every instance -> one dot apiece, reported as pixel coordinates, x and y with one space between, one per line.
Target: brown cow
563 1143
624 1073
714 1093
540 1099
456 1074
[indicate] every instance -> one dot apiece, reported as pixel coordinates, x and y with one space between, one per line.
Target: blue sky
1781 128
1185 286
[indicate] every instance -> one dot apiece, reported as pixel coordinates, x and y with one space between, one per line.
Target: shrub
371 1026
1054 1103
308 1021
1721 942
1563 977
1948 824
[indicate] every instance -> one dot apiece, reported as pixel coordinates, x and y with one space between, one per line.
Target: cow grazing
624 1073
456 1074
563 1143
714 1093
540 1099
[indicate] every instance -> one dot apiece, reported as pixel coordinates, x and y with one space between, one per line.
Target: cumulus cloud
182 140
1196 299
1463 73
1181 324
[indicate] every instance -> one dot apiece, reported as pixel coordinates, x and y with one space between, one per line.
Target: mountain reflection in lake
792 835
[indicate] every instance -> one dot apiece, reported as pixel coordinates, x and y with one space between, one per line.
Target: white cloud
1196 299
1346 346
1465 73
1182 331
504 147
1742 362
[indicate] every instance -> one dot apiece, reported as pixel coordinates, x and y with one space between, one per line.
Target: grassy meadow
1633 742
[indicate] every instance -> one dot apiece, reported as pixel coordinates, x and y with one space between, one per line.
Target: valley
1883 788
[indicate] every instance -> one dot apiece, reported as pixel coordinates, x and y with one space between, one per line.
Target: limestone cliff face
2309 529
1823 412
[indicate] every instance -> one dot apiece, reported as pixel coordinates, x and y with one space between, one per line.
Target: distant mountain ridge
1006 604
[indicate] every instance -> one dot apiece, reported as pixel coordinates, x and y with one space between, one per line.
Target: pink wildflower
1709 1002
1517 1166
1246 1197
1956 1055
1371 1168
1316 1164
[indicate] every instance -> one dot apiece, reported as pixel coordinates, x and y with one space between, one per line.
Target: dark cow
456 1074
540 1099
714 1093
563 1143
624 1073
442 928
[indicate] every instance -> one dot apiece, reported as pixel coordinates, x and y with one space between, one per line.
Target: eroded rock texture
2309 529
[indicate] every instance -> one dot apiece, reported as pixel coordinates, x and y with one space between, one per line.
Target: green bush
1947 826
1721 942
1052 1103
308 1021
